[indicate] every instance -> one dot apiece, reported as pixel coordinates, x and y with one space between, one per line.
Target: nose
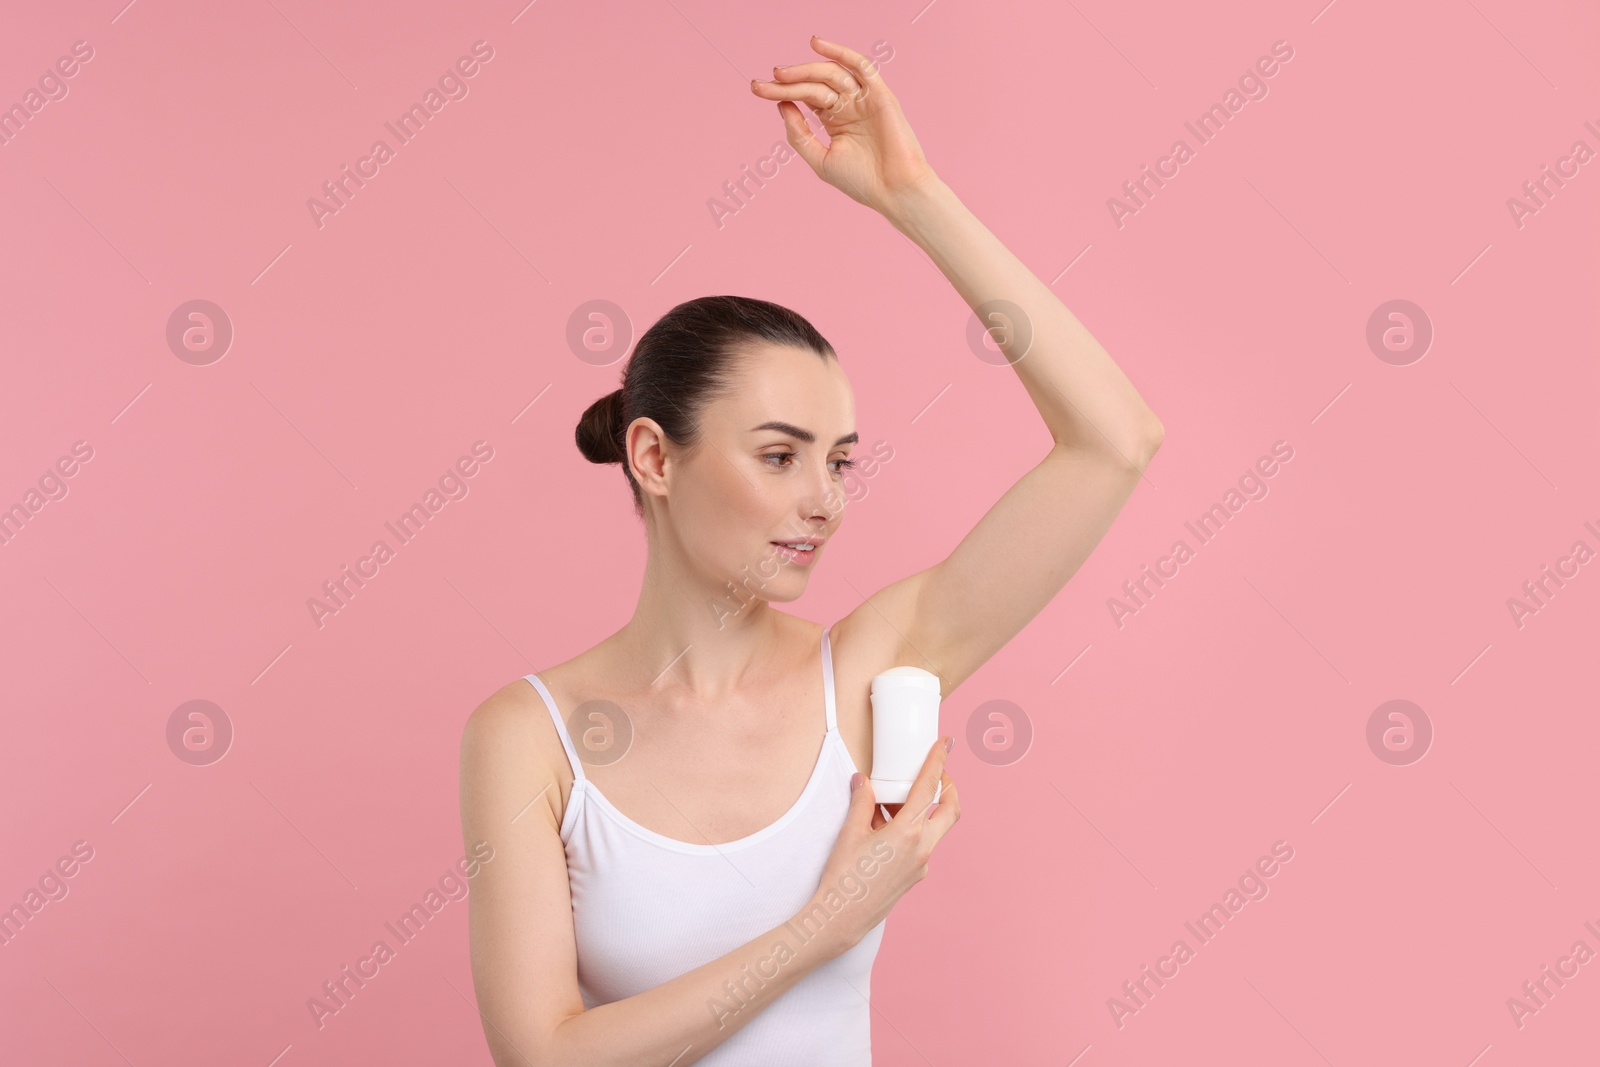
824 501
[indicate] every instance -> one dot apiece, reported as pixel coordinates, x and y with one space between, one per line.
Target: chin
784 596
783 587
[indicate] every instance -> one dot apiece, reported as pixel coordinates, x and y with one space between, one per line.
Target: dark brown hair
682 363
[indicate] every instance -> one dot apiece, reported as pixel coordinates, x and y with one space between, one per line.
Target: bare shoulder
510 752
509 715
521 935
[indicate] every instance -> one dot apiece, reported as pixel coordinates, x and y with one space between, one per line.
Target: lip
795 556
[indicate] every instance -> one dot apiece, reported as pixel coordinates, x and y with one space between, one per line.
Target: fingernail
776 69
855 781
948 742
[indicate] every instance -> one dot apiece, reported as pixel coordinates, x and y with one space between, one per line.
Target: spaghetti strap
561 727
827 681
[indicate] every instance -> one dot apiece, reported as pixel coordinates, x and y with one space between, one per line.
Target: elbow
525 1051
519 1037
1148 443
1131 449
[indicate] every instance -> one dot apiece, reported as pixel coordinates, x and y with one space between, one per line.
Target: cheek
737 498
752 511
728 508
751 497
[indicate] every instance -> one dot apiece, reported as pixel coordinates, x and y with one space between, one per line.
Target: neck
691 631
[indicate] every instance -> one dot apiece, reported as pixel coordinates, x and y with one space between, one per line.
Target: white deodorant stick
905 724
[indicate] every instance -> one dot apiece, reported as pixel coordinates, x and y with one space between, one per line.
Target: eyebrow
804 435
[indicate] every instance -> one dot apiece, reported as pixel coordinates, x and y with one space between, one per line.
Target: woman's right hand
875 860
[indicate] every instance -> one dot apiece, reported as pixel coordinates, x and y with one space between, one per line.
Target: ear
646 453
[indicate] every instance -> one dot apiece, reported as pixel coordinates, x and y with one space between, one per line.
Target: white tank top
647 908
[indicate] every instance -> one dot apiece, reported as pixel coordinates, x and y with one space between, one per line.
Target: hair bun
599 432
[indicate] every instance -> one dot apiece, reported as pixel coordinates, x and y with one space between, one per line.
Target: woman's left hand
871 155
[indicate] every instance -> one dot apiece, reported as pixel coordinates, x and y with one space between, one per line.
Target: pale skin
725 698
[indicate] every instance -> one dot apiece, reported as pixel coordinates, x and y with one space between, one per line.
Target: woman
718 895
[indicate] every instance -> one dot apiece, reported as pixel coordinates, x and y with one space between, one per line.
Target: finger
801 139
928 780
864 69
939 798
861 800
830 74
819 96
944 816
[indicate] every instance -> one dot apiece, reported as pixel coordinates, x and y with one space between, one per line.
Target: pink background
431 312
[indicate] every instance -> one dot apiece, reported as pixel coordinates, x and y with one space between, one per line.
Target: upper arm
953 616
524 951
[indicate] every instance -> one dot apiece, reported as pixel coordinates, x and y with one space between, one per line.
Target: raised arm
956 614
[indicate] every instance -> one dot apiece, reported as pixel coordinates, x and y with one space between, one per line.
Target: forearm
1083 396
681 1020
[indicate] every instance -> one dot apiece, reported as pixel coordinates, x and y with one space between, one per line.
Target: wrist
913 204
823 930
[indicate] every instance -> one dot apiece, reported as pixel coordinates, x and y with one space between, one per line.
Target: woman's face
768 471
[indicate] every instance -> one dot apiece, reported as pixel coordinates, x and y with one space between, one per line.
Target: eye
839 466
